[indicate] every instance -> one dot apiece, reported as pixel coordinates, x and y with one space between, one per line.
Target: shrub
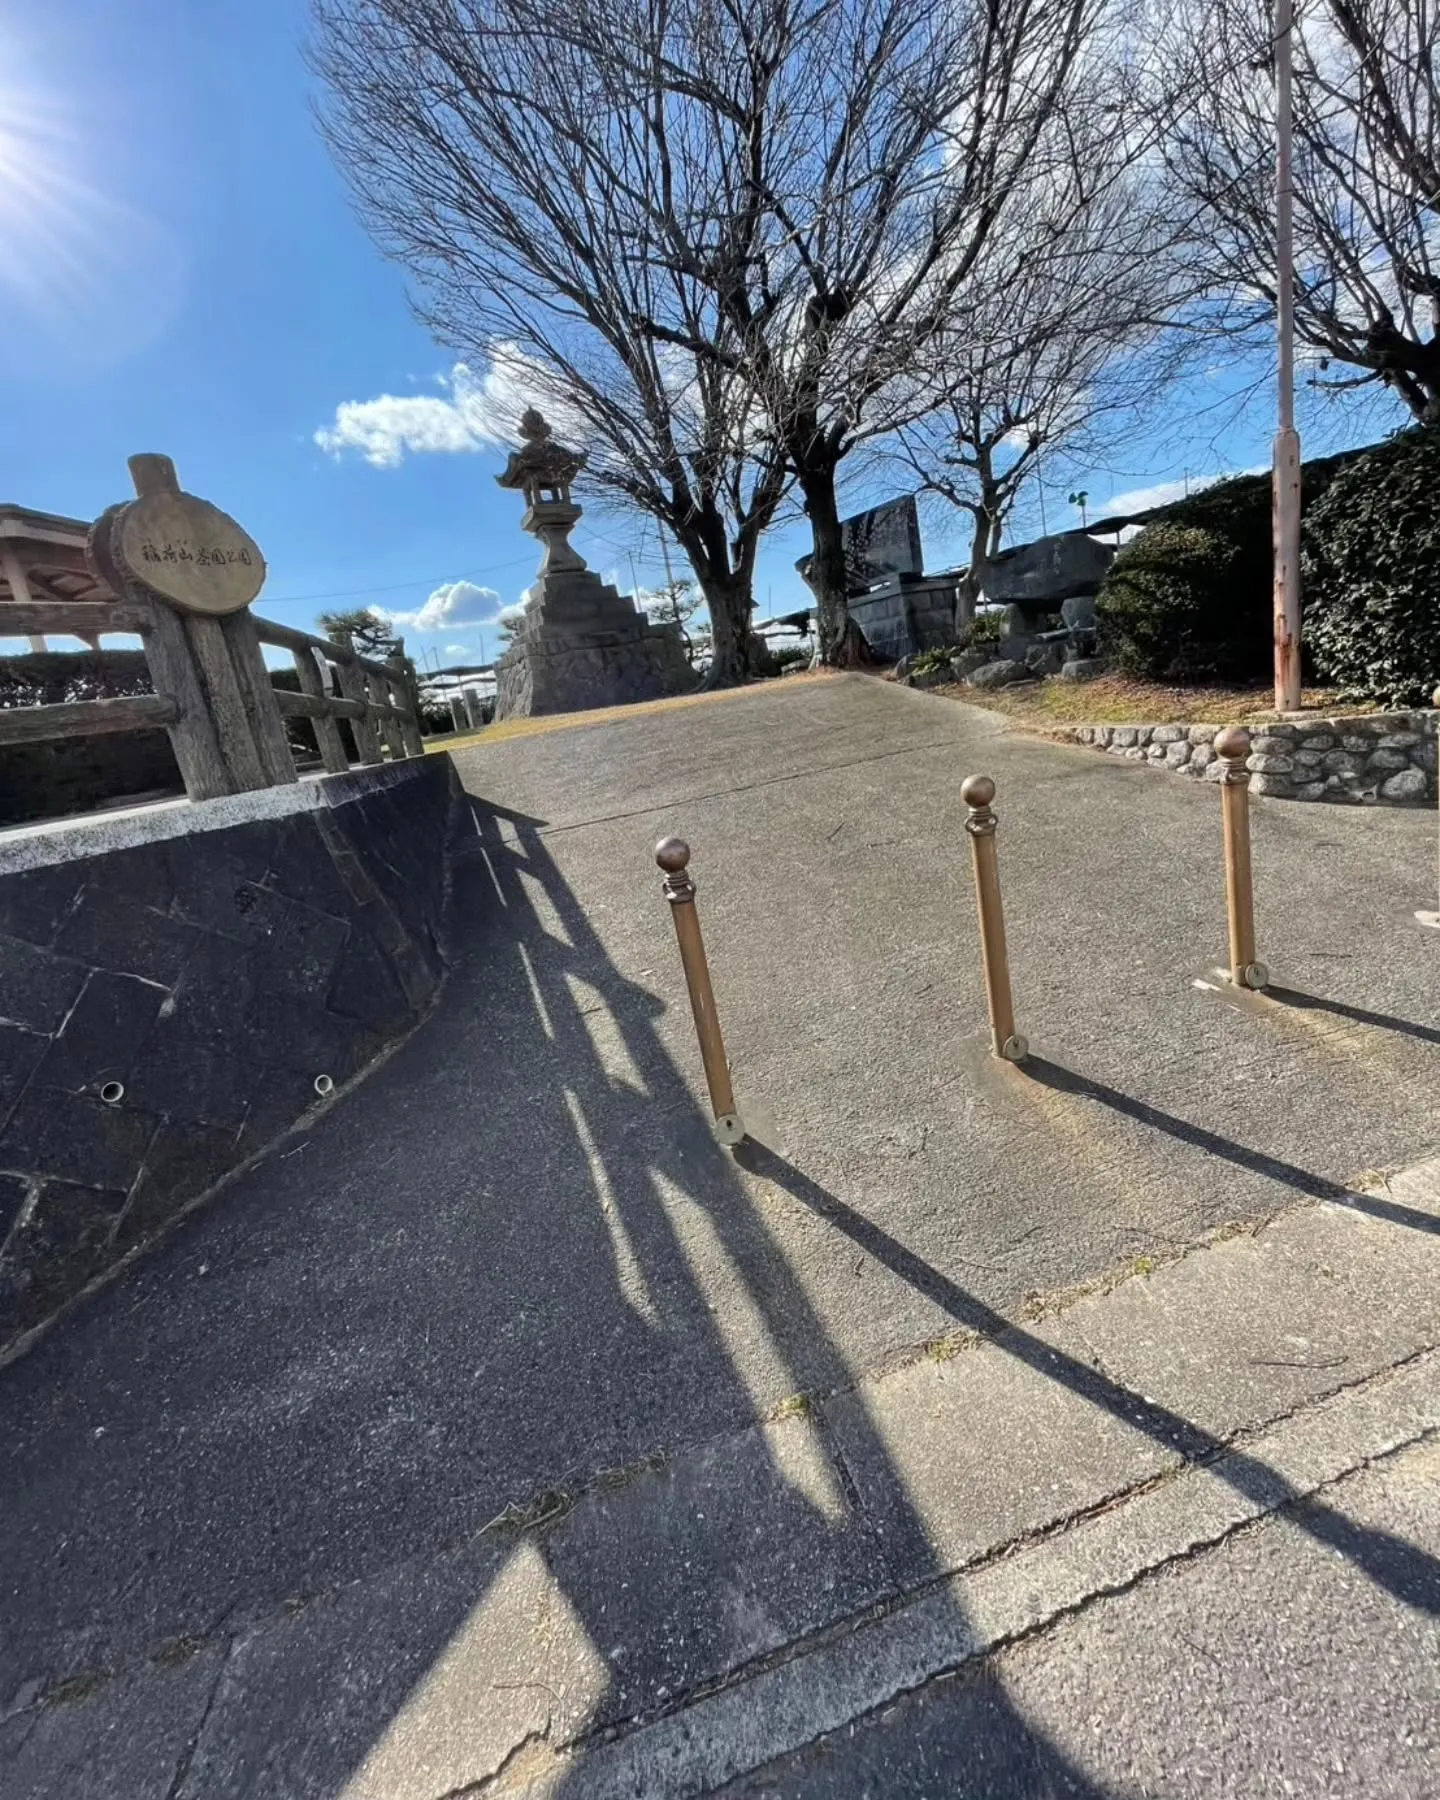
935 661
792 656
1191 599
1371 573
983 629
1175 607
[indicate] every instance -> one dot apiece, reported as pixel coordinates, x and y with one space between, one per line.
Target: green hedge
1190 599
1371 573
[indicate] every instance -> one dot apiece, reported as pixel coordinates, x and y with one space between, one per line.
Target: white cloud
452 606
473 412
457 649
1135 500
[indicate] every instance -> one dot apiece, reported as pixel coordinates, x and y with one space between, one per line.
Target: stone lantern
579 644
543 471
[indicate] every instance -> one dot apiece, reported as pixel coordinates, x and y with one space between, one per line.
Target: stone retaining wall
910 613
1384 757
174 981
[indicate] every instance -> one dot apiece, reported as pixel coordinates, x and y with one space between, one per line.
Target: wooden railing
378 699
212 693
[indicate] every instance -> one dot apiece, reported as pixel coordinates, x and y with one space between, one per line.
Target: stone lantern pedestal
579 645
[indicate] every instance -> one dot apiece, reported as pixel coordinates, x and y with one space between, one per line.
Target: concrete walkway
242 1510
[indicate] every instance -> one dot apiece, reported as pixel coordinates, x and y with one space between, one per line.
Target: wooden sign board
188 552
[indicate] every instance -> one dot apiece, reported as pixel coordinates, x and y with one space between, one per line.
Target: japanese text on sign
205 557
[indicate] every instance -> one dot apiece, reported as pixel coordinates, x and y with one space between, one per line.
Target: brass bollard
1232 746
977 792
673 856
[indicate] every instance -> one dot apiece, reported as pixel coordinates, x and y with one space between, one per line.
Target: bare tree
1061 350
1366 181
733 229
531 185
870 151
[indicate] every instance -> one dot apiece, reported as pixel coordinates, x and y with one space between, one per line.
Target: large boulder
999 674
1040 575
964 663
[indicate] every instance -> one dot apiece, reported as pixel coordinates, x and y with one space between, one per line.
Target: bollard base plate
1255 975
1015 1048
729 1129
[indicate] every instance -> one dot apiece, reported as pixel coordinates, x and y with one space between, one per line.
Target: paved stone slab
127 1739
1271 1667
405 1688
1250 1328
792 1705
953 1459
737 1549
515 1258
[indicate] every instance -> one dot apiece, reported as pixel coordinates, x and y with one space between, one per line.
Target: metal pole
1232 746
673 856
1287 441
1432 919
977 792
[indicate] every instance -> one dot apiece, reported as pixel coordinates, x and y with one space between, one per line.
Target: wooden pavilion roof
42 557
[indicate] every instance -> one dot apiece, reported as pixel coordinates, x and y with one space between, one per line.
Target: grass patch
795 1406
1117 700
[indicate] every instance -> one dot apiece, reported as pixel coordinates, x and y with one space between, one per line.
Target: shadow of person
682 1592
320 1450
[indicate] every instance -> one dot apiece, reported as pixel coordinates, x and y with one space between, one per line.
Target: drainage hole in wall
324 1085
113 1092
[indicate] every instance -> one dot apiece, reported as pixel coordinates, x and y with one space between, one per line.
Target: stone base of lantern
582 646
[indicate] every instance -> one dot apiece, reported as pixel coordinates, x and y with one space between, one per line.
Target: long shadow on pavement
1411 1574
1259 1162
271 1445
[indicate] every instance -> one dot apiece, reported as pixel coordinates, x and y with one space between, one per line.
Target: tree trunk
736 654
967 589
842 644
732 659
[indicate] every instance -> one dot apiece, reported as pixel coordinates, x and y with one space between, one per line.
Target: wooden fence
214 695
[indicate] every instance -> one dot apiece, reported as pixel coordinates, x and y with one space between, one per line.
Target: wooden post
353 687
1233 747
257 694
327 731
173 670
1286 453
1432 919
977 792
406 693
673 856
378 689
227 703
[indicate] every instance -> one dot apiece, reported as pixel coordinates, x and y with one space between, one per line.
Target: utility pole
1287 442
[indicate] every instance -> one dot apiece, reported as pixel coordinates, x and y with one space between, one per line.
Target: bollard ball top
672 854
977 791
1233 743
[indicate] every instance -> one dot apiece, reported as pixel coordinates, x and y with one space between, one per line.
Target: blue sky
181 272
